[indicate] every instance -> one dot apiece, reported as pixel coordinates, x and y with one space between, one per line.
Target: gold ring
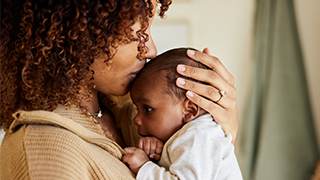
222 94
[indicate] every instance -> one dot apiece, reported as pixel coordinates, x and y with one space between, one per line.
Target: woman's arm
224 110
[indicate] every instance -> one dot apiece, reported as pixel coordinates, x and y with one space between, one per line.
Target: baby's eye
148 109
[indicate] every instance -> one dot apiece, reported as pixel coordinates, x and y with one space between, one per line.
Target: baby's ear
191 110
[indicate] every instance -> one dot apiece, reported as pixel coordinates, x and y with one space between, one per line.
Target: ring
222 94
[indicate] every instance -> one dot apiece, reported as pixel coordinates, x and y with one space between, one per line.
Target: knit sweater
64 144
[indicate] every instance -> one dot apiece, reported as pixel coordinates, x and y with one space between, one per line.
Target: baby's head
162 106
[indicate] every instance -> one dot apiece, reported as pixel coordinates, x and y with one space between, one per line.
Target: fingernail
181 81
191 52
190 94
181 68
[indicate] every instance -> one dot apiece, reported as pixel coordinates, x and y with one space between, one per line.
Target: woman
63 65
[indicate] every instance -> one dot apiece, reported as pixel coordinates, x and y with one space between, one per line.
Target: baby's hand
151 146
135 158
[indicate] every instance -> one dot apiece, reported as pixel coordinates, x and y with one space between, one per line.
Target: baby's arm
152 146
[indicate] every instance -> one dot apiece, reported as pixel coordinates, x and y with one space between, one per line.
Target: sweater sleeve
13 163
55 153
196 153
39 153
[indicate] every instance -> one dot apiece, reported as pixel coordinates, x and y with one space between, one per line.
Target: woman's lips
132 76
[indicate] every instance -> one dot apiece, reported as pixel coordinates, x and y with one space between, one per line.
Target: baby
195 146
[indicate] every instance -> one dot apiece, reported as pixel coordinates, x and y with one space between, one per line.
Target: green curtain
277 137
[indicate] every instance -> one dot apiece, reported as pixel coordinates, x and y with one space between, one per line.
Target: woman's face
116 77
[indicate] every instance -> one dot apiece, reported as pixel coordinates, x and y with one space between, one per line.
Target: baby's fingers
156 149
159 147
144 144
155 157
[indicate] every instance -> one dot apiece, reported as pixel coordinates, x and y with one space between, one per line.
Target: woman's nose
152 49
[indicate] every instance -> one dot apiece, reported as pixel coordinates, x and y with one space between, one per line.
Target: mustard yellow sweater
64 144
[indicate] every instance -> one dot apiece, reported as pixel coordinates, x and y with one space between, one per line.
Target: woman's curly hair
47 47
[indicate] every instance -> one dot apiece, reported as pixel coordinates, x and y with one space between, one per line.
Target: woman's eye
135 39
148 109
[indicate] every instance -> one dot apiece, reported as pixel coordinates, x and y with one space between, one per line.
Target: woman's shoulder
40 138
50 151
31 147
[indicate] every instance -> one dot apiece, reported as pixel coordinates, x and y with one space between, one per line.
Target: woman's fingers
213 62
204 75
209 106
207 51
210 92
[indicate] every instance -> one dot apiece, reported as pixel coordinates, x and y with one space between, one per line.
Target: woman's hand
222 107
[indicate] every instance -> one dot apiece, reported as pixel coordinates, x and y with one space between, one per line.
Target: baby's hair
165 65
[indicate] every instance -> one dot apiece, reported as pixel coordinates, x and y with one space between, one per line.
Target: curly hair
47 47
